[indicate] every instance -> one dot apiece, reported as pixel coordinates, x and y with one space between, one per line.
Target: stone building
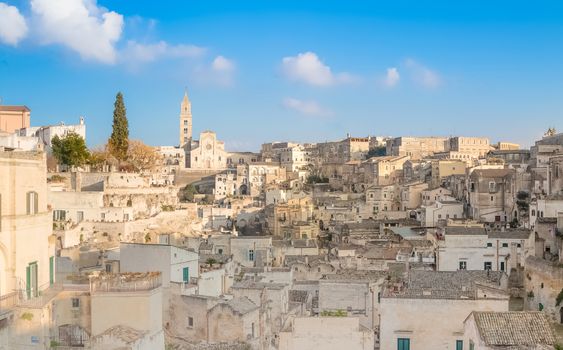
386 170
27 247
508 330
427 311
416 147
491 195
208 153
443 168
328 333
476 248
13 118
350 148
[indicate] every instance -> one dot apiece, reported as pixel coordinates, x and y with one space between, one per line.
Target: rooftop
241 305
525 328
461 230
510 234
4 108
445 284
250 284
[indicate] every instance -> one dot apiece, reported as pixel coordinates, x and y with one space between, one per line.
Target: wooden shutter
35 203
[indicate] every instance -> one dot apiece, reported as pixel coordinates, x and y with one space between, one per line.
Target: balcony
125 282
8 302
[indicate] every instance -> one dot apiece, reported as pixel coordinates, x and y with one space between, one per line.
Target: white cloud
13 27
308 68
144 53
81 25
423 75
220 72
392 77
308 108
222 64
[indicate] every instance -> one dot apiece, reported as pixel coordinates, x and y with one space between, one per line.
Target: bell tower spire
185 120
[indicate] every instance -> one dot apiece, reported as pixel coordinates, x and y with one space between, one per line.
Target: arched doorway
243 190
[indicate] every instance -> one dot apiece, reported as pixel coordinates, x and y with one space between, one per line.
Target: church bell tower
185 122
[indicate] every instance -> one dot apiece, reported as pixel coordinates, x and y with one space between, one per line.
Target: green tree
70 150
118 142
188 193
377 152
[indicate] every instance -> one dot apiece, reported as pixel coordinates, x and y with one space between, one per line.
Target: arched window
32 203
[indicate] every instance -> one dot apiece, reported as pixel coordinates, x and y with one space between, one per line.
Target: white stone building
328 333
475 248
26 248
177 265
427 311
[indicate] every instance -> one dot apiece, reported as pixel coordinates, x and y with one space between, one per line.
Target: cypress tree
119 140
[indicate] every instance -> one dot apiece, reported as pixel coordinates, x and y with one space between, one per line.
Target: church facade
207 153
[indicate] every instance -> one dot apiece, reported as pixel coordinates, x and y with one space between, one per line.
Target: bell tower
185 122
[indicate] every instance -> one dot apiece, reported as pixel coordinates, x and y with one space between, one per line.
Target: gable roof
529 328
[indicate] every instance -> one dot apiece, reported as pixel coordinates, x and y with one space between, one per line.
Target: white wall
429 323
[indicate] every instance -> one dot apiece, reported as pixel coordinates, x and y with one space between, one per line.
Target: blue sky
260 71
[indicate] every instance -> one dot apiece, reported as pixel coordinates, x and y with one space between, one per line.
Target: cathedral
207 153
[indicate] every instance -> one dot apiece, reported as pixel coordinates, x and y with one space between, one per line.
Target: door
31 280
79 216
186 274
51 270
403 344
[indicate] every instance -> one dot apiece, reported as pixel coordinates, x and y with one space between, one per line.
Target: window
492 198
502 265
492 186
185 130
471 345
31 279
75 303
463 265
403 344
190 322
518 245
251 255
505 245
220 251
489 245
59 215
32 203
186 274
459 345
108 268
185 123
488 265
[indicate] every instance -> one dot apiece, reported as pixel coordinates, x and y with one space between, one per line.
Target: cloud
308 68
221 64
13 27
308 108
423 75
392 77
80 25
144 53
220 72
